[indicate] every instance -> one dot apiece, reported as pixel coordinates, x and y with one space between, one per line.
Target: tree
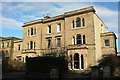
113 61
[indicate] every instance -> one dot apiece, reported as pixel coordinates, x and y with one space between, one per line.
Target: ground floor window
82 62
71 61
76 61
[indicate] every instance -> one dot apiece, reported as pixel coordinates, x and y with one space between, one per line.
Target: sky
14 14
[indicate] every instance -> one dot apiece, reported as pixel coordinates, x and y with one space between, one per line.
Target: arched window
83 22
76 61
78 22
82 62
78 39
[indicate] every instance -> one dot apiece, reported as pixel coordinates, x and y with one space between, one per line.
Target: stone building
7 46
79 35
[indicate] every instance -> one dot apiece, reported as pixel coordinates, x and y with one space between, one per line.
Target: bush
13 66
46 63
113 61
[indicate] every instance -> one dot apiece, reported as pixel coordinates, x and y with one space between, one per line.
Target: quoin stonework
79 35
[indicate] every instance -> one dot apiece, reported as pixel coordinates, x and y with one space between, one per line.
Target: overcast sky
14 14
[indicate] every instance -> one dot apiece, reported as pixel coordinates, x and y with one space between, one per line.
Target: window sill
107 46
78 27
31 36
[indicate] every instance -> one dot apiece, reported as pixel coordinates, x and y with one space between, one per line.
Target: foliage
13 66
46 63
111 60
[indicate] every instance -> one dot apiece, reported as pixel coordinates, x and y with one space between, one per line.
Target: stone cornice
61 17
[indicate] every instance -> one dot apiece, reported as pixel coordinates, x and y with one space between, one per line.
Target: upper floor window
78 22
84 39
58 27
18 47
31 45
49 29
83 22
7 44
73 25
48 43
73 40
107 43
2 45
34 30
58 42
28 32
78 39
31 31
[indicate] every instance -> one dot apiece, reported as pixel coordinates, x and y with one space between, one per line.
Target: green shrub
46 63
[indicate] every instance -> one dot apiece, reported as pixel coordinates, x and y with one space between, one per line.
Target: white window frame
58 27
18 47
48 29
57 42
105 43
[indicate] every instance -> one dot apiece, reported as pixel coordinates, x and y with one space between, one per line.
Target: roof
17 41
108 34
9 38
61 17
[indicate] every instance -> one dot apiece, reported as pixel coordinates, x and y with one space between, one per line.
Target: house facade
7 46
79 35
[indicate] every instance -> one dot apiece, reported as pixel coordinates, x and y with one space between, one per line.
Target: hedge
46 63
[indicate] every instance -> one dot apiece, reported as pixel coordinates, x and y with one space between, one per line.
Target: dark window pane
79 39
76 61
49 43
31 44
83 39
73 25
18 47
49 29
78 22
82 62
107 43
31 31
58 42
83 22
